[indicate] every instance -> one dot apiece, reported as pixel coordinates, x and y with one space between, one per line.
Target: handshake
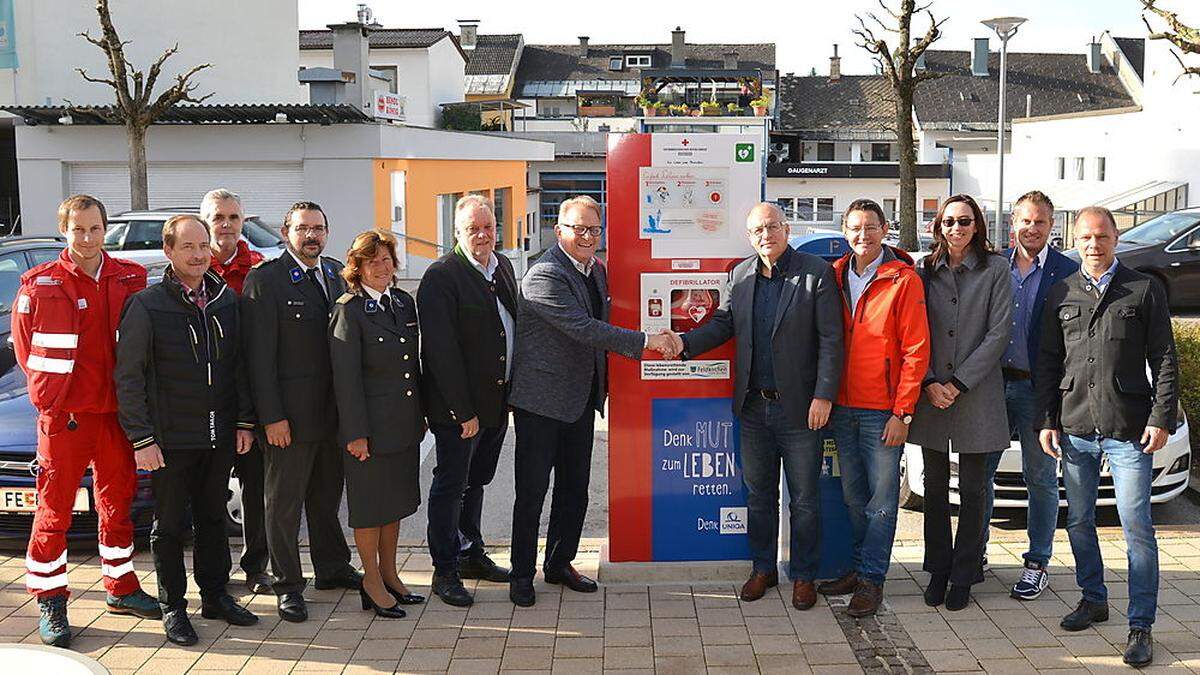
667 343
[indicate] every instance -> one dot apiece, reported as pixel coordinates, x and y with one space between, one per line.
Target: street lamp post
1005 27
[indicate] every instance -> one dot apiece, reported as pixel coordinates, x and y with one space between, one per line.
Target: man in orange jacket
64 334
887 354
232 259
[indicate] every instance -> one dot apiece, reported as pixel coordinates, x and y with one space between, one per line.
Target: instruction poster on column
683 202
680 303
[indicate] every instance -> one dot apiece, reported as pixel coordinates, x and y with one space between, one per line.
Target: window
559 187
889 210
804 209
824 152
502 198
881 152
637 61
43 255
446 204
12 266
614 63
1100 168
825 209
1078 168
929 209
789 207
1061 164
391 73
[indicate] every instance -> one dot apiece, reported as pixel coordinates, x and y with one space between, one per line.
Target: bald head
769 210
768 231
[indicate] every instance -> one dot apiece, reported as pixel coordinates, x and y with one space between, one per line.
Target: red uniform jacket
64 332
234 272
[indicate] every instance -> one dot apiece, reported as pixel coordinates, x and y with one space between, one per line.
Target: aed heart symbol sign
743 152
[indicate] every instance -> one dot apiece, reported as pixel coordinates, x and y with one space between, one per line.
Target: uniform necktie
312 276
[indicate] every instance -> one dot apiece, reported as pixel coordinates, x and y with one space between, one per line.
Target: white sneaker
1033 581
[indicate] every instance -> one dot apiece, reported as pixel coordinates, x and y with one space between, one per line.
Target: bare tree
137 107
898 64
1186 38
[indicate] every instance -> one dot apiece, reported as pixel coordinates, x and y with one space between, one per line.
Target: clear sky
802 30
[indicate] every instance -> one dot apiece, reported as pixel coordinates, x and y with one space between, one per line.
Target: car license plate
24 500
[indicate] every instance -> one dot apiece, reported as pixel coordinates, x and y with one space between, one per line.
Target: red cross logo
685 142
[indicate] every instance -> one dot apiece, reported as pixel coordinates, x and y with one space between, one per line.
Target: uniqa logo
733 520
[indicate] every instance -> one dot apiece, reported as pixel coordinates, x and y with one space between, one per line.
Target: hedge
1187 342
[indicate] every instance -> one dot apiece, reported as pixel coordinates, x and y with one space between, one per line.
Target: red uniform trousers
63 457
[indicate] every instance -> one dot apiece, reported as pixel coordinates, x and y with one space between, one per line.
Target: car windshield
1163 228
259 234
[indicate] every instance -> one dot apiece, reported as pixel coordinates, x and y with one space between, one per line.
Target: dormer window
637 61
614 63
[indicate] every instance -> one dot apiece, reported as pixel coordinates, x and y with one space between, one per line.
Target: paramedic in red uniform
64 335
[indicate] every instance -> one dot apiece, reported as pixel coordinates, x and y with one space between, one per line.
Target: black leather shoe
405 598
480 566
567 576
521 592
292 607
449 588
1086 613
350 580
1140 650
258 583
393 612
178 628
935 592
958 598
227 609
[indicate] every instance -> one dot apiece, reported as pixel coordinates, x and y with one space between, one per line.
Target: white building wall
447 70
229 34
845 190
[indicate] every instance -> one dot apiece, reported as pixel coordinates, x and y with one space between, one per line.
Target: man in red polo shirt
64 335
232 259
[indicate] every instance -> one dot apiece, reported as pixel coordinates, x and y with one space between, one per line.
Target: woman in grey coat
961 409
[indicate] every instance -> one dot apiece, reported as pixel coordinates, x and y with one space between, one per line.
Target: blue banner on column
699 503
8 42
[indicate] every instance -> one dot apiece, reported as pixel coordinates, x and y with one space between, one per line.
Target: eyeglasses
869 229
772 228
313 230
961 221
580 230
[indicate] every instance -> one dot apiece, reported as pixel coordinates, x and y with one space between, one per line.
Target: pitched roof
493 54
564 62
379 38
851 104
1135 51
1058 84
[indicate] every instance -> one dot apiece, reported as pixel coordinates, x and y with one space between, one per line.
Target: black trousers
545 445
198 479
249 470
464 467
958 555
308 476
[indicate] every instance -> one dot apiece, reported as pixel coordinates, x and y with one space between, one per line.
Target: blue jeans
767 439
870 486
1040 472
1132 473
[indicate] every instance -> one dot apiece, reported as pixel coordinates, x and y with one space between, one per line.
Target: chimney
468 32
979 58
583 46
350 54
365 15
1093 56
835 66
678 52
920 64
731 59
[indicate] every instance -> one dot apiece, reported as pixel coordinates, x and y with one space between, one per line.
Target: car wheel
908 499
233 508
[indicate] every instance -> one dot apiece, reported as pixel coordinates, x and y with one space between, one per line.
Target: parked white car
1172 465
137 236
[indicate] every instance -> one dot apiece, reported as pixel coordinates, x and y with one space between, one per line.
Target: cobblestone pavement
666 629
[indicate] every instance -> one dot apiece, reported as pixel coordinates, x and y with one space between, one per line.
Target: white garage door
267 188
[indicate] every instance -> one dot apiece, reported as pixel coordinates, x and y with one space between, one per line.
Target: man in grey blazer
559 382
784 309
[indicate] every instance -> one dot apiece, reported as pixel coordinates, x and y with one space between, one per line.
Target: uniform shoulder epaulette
260 263
38 270
345 297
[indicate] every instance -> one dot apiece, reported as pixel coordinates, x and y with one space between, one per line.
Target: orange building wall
428 178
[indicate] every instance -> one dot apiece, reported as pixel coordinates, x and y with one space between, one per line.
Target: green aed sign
743 152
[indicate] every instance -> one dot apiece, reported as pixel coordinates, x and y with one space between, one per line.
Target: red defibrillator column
677 205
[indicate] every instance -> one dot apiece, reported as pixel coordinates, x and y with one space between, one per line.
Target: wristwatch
906 418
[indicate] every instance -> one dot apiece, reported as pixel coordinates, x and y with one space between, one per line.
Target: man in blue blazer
1035 268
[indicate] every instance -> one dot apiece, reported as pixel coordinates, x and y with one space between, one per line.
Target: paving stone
628 657
425 659
568 647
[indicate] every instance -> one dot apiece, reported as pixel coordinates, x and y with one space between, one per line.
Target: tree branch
97 80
